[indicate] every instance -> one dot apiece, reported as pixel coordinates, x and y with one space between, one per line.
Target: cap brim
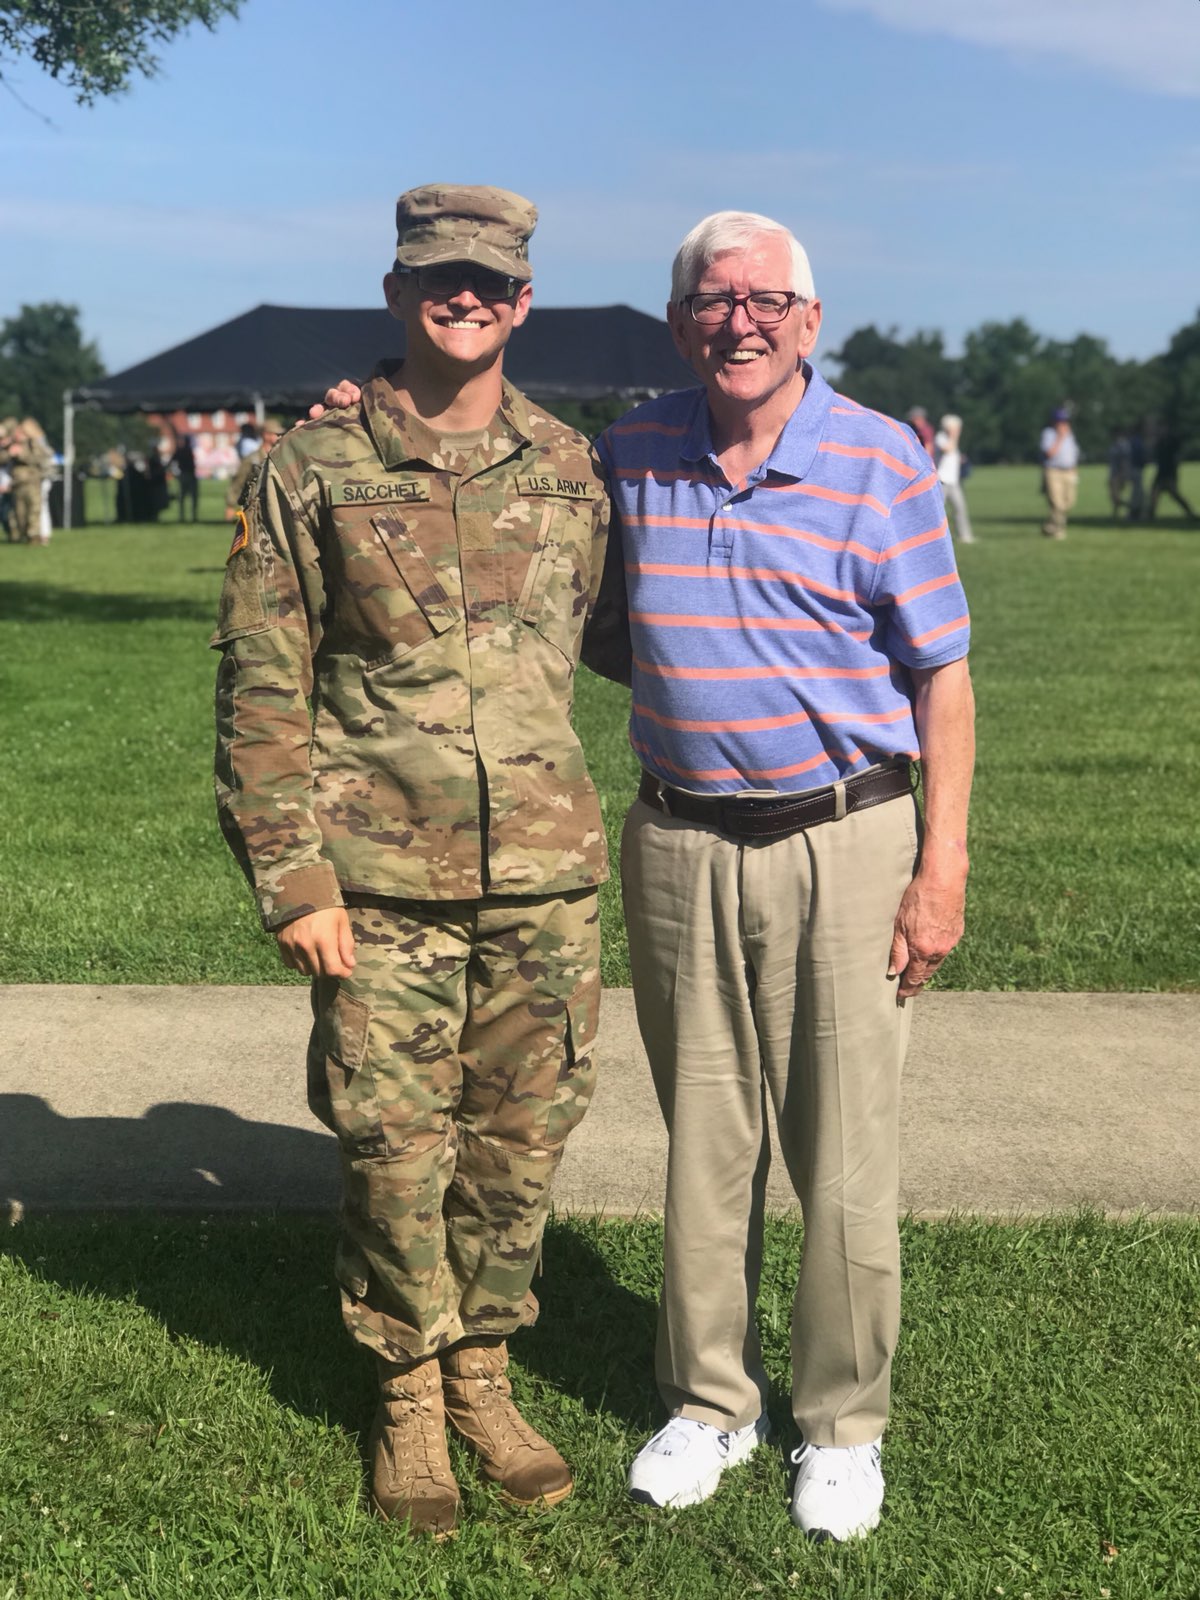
430 253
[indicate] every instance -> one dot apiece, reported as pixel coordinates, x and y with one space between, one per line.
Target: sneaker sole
707 1487
827 1536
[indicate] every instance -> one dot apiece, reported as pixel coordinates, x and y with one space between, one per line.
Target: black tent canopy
287 356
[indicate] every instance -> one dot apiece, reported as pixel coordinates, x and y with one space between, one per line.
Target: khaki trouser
761 969
452 1065
1062 485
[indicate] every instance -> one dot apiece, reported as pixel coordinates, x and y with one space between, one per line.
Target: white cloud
1148 44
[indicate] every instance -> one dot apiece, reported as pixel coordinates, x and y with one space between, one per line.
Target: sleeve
268 629
917 587
606 647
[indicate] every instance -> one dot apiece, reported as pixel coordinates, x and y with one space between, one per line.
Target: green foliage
183 1417
1008 380
97 48
42 352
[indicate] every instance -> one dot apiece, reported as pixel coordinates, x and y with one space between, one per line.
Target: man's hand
320 945
344 393
929 924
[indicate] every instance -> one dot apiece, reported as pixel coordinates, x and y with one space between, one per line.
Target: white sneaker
838 1492
683 1463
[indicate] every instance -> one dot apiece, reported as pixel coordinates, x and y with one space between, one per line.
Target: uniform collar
795 449
401 439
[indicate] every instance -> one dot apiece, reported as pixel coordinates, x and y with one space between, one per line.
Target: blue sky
944 161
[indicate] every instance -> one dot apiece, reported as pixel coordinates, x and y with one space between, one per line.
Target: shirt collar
795 449
400 438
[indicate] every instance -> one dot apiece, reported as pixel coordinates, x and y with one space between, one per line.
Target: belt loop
839 800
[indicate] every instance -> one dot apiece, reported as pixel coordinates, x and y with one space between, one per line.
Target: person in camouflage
245 477
29 462
398 777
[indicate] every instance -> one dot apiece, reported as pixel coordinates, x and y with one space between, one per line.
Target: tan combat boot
410 1464
479 1406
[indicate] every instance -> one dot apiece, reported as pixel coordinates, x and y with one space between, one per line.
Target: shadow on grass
168 1210
50 602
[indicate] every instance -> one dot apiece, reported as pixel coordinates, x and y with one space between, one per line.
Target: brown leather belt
743 818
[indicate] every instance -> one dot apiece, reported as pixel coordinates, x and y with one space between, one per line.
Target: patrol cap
462 222
274 425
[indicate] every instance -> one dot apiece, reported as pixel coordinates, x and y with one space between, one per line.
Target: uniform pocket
577 1074
342 1038
554 596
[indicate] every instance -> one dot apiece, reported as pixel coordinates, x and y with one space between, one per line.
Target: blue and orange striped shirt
773 622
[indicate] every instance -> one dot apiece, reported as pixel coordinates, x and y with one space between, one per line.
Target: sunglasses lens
449 277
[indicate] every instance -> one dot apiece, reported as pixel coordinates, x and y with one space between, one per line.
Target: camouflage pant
452 1066
25 517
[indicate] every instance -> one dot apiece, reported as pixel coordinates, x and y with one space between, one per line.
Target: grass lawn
1086 856
182 1416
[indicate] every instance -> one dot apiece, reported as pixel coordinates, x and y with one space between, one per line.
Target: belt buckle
662 798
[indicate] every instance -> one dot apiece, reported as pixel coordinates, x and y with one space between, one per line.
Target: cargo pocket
553 598
351 1269
343 1030
420 609
577 1074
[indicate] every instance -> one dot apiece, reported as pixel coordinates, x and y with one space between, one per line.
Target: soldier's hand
343 393
320 945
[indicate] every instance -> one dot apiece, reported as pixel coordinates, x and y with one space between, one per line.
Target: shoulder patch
241 536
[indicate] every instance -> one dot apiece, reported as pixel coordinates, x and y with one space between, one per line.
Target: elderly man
398 777
781 593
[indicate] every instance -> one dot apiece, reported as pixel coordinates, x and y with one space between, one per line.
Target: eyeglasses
764 309
444 279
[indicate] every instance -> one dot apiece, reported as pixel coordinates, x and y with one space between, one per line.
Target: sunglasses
445 279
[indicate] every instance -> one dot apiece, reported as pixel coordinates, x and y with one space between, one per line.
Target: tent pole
68 457
260 411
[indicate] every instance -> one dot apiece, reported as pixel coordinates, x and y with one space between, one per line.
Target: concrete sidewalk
194 1098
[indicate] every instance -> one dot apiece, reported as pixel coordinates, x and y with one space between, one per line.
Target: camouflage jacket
399 639
30 464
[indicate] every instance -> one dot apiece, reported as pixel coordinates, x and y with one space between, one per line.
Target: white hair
734 230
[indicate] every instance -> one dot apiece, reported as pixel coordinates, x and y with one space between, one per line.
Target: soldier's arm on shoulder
606 647
268 629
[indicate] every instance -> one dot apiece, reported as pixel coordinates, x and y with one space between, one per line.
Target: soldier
29 461
247 468
425 841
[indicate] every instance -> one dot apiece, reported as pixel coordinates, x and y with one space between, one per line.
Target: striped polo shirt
773 622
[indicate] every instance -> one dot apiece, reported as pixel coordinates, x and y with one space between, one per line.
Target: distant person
272 431
159 497
184 464
1119 458
923 428
1167 453
248 440
1137 466
29 462
950 464
1060 472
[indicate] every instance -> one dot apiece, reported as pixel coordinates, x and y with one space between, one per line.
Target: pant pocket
340 1057
577 1074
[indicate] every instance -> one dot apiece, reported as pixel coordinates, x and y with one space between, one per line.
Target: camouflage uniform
246 468
427 595
28 466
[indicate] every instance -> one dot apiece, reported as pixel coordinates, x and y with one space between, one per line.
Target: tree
96 48
889 375
43 352
1181 371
